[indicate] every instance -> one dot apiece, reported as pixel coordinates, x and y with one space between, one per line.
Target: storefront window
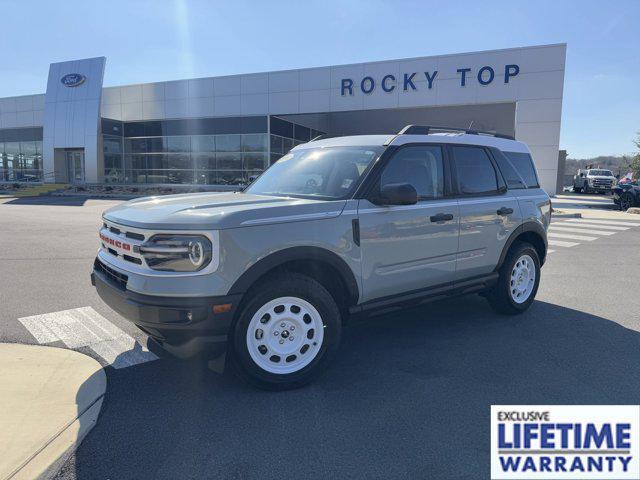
228 143
254 143
203 143
224 159
21 161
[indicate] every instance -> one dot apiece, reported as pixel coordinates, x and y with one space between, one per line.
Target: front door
75 166
409 247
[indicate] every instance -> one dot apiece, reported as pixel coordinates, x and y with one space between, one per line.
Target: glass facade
21 155
205 159
285 135
220 151
21 161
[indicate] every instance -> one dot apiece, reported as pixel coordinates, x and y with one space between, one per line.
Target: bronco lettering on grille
115 243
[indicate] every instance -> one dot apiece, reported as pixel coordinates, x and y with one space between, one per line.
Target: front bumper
600 187
184 326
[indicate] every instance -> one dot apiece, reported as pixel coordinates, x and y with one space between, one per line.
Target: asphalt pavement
408 395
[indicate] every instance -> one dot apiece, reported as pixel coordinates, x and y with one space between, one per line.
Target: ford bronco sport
337 227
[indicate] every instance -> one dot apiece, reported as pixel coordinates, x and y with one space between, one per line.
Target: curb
61 447
566 215
53 400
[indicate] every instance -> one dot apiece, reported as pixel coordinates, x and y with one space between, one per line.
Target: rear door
489 213
410 247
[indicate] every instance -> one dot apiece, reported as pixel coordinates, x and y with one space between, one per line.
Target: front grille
124 235
602 183
114 277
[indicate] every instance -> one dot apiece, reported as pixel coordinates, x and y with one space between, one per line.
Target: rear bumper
185 326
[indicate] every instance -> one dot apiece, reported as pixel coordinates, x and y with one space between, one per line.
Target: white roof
503 144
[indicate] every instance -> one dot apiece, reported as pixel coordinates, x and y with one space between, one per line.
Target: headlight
177 253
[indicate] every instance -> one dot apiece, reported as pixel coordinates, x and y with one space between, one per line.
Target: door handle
505 211
441 217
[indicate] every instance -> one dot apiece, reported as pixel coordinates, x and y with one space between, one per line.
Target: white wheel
285 335
523 279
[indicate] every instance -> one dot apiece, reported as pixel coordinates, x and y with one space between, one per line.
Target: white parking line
559 243
571 236
587 223
597 221
550 251
84 327
577 229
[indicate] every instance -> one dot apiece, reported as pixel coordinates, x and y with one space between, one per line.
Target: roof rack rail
427 129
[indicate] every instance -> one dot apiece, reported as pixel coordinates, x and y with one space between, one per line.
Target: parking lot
409 392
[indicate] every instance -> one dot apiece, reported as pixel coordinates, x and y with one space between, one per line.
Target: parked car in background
593 180
626 195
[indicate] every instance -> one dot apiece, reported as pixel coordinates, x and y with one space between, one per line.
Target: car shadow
66 201
407 396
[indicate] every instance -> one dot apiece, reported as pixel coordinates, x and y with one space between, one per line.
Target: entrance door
75 166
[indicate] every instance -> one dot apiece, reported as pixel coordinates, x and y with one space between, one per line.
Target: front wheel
518 281
286 333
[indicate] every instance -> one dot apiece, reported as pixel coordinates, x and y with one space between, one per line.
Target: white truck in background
593 180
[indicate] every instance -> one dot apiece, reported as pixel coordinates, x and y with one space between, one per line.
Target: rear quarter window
523 164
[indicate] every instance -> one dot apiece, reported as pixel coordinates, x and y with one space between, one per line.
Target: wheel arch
316 262
530 232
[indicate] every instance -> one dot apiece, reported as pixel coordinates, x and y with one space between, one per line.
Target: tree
635 162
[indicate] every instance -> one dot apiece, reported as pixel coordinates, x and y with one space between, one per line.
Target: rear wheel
577 189
626 201
518 281
286 333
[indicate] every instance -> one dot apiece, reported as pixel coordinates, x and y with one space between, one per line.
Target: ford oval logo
73 79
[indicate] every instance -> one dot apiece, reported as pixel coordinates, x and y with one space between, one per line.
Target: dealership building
223 130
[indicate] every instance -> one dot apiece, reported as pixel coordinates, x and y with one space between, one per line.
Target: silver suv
336 228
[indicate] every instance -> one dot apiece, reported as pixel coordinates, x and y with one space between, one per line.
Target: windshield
601 173
330 173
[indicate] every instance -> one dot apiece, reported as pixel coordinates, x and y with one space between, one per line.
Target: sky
157 40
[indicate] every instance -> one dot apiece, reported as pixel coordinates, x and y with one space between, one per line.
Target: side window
513 178
523 164
475 171
421 166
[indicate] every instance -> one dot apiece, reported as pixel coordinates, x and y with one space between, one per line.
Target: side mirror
398 194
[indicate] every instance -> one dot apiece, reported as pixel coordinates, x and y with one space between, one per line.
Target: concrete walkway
49 400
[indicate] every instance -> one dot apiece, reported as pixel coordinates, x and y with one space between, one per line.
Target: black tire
577 189
499 296
286 285
585 188
626 201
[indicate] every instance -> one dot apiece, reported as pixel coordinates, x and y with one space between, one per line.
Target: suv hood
215 211
601 177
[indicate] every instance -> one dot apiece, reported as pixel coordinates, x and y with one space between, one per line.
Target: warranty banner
565 442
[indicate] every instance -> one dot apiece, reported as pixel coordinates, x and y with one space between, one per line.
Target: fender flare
273 260
529 226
